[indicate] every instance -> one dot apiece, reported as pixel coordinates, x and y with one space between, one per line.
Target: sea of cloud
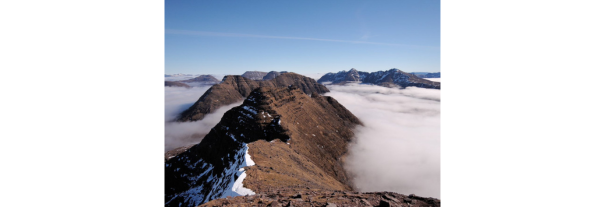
178 134
434 79
398 148
315 76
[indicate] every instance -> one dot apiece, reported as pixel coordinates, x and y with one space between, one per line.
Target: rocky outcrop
203 78
273 74
391 78
254 75
279 138
175 84
235 88
317 197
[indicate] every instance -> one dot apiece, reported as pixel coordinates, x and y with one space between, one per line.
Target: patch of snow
250 109
236 188
232 137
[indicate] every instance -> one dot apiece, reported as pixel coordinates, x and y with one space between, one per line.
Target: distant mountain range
202 78
175 84
177 75
390 78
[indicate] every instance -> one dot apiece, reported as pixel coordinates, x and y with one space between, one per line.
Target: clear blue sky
231 37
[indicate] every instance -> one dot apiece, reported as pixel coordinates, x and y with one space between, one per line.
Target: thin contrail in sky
218 34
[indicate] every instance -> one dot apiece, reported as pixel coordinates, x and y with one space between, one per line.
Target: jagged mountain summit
254 75
235 88
390 78
203 78
279 138
176 84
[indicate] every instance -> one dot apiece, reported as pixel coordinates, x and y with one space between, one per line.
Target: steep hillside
279 138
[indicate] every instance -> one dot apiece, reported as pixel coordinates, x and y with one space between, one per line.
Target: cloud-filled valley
398 147
178 134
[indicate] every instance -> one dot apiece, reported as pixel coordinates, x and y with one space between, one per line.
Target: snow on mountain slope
228 183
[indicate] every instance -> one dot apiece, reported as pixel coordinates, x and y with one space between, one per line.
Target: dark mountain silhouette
391 78
235 88
279 138
175 84
254 75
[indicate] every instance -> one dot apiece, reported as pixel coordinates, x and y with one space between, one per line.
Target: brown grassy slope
319 130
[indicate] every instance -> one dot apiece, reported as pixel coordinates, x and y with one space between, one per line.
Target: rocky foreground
326 198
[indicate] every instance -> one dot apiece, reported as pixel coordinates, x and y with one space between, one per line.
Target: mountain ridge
234 88
175 84
209 79
293 140
390 78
